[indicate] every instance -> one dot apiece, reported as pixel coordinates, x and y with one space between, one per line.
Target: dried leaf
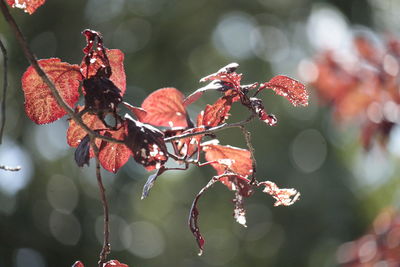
139 113
146 143
150 181
28 6
40 105
194 216
284 196
289 88
82 155
165 107
116 61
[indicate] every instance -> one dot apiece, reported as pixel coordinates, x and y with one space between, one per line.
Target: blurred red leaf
75 133
229 158
28 6
291 89
113 156
116 59
164 107
40 105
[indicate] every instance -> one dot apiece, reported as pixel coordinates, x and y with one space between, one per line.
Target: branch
33 61
106 230
212 130
247 136
5 84
11 169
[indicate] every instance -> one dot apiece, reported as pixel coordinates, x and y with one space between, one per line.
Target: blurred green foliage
50 213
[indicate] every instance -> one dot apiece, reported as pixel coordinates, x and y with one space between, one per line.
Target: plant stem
211 130
5 85
247 137
106 249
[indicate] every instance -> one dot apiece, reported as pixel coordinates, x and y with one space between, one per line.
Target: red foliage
40 105
364 91
28 6
293 90
228 158
164 107
381 245
116 62
103 80
113 156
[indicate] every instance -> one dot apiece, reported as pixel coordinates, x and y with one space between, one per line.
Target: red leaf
226 74
28 6
164 107
40 105
114 263
284 196
139 112
78 264
217 113
75 133
230 158
113 156
293 90
116 59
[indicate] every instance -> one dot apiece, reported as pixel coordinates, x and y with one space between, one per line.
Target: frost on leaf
146 143
40 105
113 156
164 107
289 88
240 159
284 196
239 212
28 6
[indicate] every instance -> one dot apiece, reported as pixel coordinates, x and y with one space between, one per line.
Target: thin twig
33 61
106 249
247 137
5 85
11 169
211 130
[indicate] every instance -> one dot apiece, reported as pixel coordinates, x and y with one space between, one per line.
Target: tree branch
212 130
247 137
33 61
5 85
106 249
11 169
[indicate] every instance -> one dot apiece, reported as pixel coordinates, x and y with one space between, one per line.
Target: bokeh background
50 212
